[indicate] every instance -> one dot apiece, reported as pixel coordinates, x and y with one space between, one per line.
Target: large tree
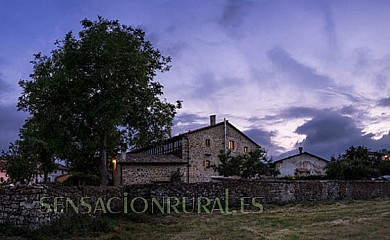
96 94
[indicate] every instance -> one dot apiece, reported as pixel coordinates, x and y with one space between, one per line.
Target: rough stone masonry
34 206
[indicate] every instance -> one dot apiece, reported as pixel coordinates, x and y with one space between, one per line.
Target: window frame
231 145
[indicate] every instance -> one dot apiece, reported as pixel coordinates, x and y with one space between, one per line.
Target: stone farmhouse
301 164
189 155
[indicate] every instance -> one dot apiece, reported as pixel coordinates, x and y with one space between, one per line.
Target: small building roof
299 154
152 159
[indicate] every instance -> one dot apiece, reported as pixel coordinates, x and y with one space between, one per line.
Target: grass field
342 220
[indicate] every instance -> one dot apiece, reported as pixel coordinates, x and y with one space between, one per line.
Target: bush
82 179
246 165
354 164
176 176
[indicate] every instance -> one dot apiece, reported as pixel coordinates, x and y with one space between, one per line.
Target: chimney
123 156
300 150
213 120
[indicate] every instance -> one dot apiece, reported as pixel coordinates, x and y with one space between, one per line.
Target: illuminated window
231 144
245 149
206 163
207 142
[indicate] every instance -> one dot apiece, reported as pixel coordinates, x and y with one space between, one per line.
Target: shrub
82 179
176 176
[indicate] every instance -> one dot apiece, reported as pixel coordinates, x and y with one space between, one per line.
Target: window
207 142
231 144
245 149
206 163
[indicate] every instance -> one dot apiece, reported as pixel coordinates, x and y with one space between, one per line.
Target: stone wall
37 205
197 152
19 206
147 173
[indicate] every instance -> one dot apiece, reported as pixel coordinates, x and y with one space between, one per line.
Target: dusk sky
288 73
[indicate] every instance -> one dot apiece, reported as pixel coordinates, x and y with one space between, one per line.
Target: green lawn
342 220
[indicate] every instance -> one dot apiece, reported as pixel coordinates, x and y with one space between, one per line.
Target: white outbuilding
302 164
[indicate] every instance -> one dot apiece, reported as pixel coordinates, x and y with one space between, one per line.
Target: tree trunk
103 163
45 177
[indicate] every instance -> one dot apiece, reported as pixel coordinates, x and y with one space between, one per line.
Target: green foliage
384 167
95 95
176 176
244 165
354 164
82 179
29 155
20 169
33 145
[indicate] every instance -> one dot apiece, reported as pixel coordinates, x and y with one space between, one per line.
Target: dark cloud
331 133
4 87
308 112
299 112
263 138
331 127
254 119
233 16
352 97
188 118
10 122
298 73
187 122
329 26
384 102
290 113
348 110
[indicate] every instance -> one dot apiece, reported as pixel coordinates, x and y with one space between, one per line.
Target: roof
299 154
63 177
199 130
221 123
152 159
